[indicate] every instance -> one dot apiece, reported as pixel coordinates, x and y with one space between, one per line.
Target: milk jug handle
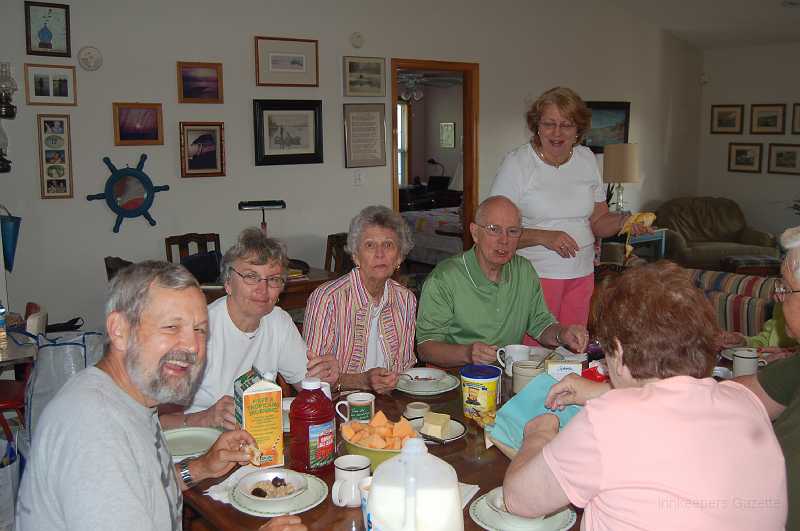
410 523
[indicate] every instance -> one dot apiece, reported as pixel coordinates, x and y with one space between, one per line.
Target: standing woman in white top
556 184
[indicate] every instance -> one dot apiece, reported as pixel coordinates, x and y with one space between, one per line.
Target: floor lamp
620 165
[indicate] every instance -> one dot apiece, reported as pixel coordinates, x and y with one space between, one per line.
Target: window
402 144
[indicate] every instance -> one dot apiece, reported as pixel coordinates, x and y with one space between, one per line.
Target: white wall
523 47
744 76
445 104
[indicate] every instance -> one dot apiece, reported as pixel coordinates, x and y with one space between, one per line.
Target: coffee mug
524 372
363 489
349 470
510 354
745 361
416 409
360 407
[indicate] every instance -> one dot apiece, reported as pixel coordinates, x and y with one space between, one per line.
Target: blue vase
9 230
45 37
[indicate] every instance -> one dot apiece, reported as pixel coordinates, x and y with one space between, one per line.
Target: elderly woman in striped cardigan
364 318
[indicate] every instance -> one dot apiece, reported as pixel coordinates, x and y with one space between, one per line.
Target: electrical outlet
358 178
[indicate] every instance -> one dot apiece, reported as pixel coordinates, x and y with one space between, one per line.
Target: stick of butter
435 424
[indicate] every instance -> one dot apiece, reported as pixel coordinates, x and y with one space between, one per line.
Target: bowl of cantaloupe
377 440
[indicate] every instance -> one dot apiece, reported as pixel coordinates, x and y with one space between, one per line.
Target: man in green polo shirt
778 384
487 297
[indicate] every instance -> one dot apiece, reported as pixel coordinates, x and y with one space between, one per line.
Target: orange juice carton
257 403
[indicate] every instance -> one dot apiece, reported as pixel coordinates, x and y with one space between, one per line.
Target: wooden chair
183 241
114 264
337 260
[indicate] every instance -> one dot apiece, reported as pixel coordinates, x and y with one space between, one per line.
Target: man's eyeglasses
551 126
781 291
251 279
497 230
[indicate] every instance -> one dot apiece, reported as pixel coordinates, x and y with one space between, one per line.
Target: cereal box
257 403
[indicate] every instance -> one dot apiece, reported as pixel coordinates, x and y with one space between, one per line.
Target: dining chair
337 260
182 241
12 392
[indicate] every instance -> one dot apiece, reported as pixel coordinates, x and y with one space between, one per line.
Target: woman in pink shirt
664 446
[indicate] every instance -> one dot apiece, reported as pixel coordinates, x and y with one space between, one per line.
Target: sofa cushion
731 283
702 219
708 255
740 313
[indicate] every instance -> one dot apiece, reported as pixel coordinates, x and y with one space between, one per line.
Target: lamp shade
621 163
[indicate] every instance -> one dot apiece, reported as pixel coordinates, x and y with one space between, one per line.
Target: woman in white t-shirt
556 185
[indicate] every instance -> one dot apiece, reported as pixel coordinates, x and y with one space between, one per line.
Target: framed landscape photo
744 157
767 119
55 156
364 76
796 119
364 135
47 29
286 62
202 149
784 158
727 119
200 82
287 131
138 124
610 122
447 135
50 85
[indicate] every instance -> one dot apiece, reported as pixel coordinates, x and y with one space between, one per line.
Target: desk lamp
620 165
271 204
437 163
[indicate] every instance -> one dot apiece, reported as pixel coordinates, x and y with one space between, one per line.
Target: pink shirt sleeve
575 460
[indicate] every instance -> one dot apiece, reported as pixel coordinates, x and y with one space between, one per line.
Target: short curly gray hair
379 216
256 248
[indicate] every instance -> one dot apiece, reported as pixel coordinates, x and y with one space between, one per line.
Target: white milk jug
415 491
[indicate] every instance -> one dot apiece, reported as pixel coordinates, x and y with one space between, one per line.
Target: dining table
474 464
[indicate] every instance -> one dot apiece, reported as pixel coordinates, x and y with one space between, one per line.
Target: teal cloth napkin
527 404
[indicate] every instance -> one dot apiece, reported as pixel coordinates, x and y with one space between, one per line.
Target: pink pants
568 300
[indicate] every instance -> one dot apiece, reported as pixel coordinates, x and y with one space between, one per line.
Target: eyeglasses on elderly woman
781 291
251 279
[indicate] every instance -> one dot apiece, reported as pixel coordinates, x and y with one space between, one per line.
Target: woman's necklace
556 165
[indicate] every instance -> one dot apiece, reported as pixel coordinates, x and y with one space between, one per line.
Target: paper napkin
222 491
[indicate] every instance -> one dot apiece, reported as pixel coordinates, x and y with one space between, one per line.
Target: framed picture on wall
744 157
47 29
364 135
138 124
610 122
200 82
784 158
55 156
447 135
50 85
364 76
767 119
202 149
727 119
287 62
287 131
796 119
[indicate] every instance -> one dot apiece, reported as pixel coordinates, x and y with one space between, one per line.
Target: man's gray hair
130 287
480 213
790 240
379 216
256 248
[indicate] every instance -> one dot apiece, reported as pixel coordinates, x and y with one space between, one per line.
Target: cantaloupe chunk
358 436
379 420
375 441
347 432
385 431
357 426
403 428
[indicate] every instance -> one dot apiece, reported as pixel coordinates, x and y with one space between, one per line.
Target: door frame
471 104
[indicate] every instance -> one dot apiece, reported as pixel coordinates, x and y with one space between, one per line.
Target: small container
313 430
416 410
480 388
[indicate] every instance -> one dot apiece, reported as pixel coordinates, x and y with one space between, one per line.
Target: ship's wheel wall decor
129 192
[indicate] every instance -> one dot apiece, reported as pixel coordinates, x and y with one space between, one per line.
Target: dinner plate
455 430
428 388
184 443
246 485
315 494
489 519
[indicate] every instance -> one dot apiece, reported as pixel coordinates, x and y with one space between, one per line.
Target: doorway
442 172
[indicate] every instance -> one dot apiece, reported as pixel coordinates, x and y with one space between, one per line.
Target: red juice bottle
312 448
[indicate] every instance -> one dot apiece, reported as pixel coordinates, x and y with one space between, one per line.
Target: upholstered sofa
703 230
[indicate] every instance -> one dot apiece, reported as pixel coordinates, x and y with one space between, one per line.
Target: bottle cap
311 383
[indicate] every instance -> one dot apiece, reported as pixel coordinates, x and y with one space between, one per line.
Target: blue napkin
527 404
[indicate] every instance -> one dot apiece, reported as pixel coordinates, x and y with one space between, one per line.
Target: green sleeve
436 311
539 317
762 339
781 380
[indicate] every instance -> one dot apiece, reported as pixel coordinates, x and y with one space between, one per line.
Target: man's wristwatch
186 476
558 337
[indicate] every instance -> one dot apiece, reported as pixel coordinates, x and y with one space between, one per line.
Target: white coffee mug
349 470
360 407
507 355
745 361
524 372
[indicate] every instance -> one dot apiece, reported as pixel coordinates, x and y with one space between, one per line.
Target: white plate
455 430
315 494
248 482
287 403
489 519
184 443
428 388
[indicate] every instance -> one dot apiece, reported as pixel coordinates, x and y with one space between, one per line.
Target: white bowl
423 375
495 500
248 483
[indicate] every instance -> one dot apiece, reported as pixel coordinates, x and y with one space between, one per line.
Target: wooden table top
474 464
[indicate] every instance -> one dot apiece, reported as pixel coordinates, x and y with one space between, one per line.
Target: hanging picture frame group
364 135
50 85
55 156
282 61
287 131
47 29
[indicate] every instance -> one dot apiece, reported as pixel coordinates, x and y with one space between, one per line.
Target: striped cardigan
338 317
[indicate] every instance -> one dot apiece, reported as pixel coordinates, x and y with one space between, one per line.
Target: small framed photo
286 62
364 135
55 156
796 119
767 119
138 124
364 76
202 149
784 158
287 131
744 157
447 135
200 82
47 29
727 119
50 85
610 122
